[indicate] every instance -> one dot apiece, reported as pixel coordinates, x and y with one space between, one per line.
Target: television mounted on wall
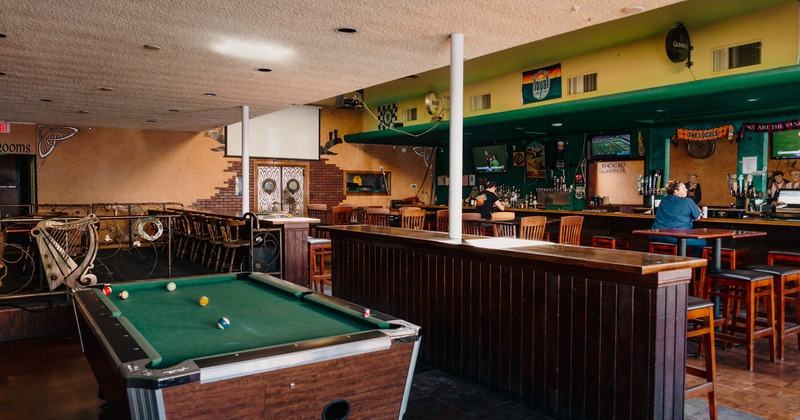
490 159
785 144
610 146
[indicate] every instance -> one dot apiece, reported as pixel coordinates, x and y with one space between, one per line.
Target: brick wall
325 186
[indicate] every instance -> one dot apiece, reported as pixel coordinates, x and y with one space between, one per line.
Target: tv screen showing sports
490 159
786 144
610 146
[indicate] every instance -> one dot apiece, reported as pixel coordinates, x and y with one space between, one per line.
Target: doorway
17 184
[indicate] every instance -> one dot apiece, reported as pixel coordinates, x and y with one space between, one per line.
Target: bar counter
574 332
783 234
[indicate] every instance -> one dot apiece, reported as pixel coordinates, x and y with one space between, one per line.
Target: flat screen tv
610 146
785 144
490 159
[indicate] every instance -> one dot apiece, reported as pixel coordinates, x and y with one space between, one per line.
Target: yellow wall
638 65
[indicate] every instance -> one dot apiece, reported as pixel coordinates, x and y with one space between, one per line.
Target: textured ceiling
66 51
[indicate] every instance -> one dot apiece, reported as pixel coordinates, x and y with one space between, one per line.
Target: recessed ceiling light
209 94
46 100
264 70
83 112
151 121
412 77
174 110
107 89
753 99
152 47
2 73
556 124
346 30
2 35
636 8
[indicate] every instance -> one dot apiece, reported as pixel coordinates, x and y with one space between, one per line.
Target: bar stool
730 256
737 287
703 311
663 248
787 287
610 242
783 257
318 250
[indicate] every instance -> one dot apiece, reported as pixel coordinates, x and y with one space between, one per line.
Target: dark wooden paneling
566 340
21 320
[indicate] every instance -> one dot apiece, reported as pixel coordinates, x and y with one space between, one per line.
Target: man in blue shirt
678 211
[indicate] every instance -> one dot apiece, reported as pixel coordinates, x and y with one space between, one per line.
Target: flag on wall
541 84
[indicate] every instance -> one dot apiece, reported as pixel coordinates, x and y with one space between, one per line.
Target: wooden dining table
713 235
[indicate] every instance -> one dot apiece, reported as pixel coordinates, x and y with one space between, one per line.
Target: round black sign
677 44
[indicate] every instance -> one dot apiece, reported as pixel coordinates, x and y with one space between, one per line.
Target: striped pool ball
107 290
223 323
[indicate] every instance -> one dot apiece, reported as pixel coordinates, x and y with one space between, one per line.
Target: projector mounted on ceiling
350 102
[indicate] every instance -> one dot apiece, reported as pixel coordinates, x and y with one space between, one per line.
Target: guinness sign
678 45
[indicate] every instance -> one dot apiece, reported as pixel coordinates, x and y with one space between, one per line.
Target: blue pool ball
223 323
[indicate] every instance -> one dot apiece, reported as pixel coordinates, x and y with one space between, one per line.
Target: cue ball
223 323
107 290
123 294
203 301
171 286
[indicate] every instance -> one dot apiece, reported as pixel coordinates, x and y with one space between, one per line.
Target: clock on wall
702 149
434 103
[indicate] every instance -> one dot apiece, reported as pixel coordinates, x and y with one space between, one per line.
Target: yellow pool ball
203 301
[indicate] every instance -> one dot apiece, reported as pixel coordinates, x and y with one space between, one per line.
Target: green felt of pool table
178 328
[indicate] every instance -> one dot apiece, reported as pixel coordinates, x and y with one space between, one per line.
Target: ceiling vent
480 102
735 57
581 84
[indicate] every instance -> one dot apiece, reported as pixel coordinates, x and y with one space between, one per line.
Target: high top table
703 233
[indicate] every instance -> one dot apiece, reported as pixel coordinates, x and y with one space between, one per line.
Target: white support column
456 132
245 159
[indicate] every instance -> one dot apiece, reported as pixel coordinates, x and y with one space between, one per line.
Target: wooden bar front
574 332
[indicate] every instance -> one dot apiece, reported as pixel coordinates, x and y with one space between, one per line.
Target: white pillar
245 159
456 132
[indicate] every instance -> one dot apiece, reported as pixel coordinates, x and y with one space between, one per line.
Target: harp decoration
68 250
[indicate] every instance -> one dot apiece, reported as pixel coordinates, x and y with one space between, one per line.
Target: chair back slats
342 215
443 220
377 216
412 219
504 230
471 224
532 228
570 231
318 211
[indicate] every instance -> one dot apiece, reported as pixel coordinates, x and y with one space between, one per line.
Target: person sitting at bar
678 211
488 201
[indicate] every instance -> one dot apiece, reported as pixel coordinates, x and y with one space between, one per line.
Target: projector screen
292 133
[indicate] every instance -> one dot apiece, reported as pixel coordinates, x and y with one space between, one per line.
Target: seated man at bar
489 200
678 211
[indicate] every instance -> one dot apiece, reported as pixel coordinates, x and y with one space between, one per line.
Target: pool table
289 352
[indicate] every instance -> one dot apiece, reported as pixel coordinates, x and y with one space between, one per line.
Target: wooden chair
412 219
532 228
231 231
570 230
504 230
730 257
443 220
342 215
471 224
377 216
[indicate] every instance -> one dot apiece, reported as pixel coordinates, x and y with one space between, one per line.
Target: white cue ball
171 286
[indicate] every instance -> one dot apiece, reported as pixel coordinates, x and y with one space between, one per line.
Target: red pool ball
107 290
